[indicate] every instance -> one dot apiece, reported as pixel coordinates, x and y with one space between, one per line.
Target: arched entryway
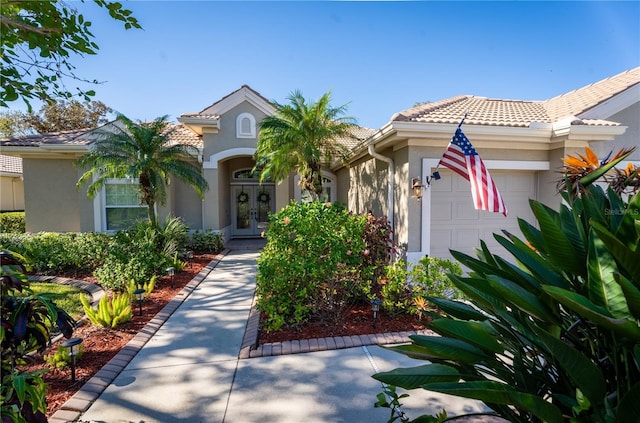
251 204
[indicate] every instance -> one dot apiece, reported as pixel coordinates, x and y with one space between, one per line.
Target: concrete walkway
186 367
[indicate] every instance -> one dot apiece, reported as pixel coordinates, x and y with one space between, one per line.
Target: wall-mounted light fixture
416 187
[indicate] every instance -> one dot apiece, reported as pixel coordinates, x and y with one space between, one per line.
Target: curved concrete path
186 366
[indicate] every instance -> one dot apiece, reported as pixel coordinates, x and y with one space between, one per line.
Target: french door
252 205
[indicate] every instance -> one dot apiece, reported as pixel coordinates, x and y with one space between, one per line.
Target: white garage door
457 225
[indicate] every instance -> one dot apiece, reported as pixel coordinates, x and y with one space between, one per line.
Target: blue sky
380 57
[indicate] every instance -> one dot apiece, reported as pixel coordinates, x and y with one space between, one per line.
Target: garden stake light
375 307
72 343
190 258
171 271
139 293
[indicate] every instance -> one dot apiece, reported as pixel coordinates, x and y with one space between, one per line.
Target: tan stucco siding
225 138
368 188
52 202
11 193
186 203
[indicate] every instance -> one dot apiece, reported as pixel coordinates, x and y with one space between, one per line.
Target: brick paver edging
250 347
91 390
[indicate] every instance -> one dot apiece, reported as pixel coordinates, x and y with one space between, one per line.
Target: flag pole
436 175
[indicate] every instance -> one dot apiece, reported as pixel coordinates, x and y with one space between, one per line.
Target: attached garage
457 225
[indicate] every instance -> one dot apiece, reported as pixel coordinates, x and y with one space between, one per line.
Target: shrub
12 222
26 322
54 253
312 263
61 358
206 241
554 337
429 277
110 312
134 254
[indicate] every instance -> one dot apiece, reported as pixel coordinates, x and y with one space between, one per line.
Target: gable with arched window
245 126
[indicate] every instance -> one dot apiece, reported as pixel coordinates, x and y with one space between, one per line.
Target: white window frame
240 133
100 203
297 192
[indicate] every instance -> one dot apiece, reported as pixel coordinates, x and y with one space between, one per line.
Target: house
521 143
11 184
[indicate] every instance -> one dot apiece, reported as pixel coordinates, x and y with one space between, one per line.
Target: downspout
392 171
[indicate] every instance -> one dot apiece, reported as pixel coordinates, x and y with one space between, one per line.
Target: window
122 205
328 189
245 126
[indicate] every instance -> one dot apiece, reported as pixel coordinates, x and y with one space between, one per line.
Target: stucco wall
52 202
186 204
11 193
630 118
226 138
368 187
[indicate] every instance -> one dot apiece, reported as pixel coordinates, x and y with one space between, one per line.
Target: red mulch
102 344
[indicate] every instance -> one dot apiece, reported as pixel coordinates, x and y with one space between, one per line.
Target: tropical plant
38 40
27 319
143 151
553 334
206 241
147 286
300 137
110 311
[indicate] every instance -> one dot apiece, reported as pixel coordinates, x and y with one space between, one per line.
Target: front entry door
252 206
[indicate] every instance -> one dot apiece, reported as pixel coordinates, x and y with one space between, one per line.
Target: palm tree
300 137
140 150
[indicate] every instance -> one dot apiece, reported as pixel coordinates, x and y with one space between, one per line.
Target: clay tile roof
10 164
200 116
479 110
70 137
520 113
180 134
579 101
359 134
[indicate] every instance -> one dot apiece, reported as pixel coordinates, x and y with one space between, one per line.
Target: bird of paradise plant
627 180
583 170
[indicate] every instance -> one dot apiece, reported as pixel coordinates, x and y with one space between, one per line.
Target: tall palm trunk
148 198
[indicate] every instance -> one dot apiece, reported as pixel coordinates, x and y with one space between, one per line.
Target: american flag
462 158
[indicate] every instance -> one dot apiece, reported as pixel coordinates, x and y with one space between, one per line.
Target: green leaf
523 299
631 294
457 309
563 253
586 375
480 334
601 285
499 393
628 410
414 377
626 257
599 315
449 349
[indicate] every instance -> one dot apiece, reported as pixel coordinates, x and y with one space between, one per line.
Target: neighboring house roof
10 164
519 113
71 137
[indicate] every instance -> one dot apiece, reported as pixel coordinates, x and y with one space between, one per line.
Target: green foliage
147 286
39 38
61 358
300 137
111 311
405 284
12 222
206 241
52 253
67 115
553 337
140 150
312 264
134 254
26 322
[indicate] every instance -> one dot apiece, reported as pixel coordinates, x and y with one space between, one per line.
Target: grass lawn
69 299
